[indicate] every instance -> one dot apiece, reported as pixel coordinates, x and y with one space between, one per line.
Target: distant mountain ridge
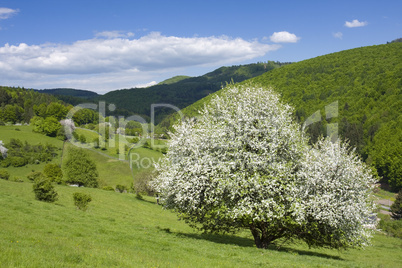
174 79
185 91
79 93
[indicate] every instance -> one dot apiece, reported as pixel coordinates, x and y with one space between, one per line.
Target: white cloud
114 34
338 35
284 37
114 62
152 83
5 12
355 23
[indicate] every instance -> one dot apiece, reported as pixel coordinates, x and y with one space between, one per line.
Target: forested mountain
174 79
365 84
19 105
70 95
79 93
185 91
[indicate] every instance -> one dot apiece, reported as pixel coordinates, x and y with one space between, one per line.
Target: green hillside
70 95
183 92
365 82
79 93
112 172
174 79
19 105
119 230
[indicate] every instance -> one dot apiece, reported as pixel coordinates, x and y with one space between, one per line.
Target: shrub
82 138
108 188
147 144
34 175
80 169
141 183
76 136
396 207
4 174
96 143
17 179
391 227
121 188
17 161
44 190
81 200
53 172
51 126
5 163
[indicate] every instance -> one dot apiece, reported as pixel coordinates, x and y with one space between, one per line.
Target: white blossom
244 163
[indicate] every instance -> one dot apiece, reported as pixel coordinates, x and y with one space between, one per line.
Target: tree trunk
261 238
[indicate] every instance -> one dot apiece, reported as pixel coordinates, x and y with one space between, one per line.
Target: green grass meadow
112 171
119 230
24 133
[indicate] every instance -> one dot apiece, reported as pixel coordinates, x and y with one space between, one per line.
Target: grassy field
119 230
111 171
24 133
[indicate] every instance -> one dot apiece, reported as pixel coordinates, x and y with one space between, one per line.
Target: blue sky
109 45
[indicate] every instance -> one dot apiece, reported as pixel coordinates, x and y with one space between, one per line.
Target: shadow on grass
220 239
246 242
306 253
140 198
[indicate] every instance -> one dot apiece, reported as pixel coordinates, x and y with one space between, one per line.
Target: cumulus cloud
114 34
355 23
149 84
338 35
112 55
284 37
5 12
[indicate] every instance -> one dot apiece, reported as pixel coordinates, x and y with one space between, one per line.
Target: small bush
5 163
35 175
15 161
391 227
141 183
44 190
81 200
121 188
76 136
82 138
53 172
4 174
17 179
108 188
96 143
164 150
147 144
396 207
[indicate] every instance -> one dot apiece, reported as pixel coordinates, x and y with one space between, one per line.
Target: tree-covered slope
183 92
19 105
366 86
174 79
79 93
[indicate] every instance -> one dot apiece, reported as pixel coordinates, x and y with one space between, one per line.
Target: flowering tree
335 190
243 163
